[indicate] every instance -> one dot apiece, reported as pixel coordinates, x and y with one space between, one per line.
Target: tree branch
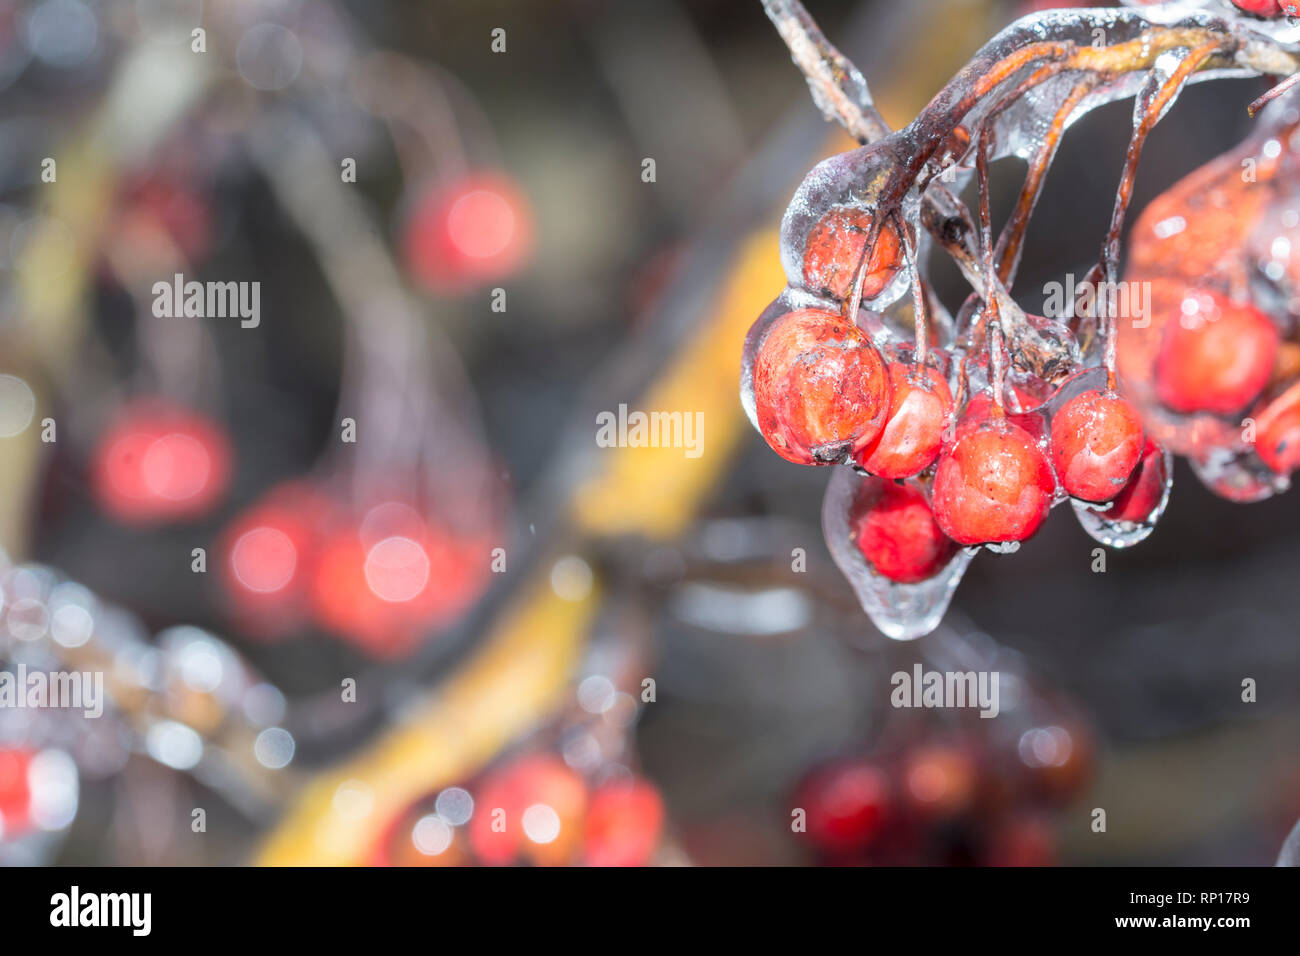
837 86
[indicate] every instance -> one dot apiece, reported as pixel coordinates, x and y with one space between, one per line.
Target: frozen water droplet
1124 534
1237 476
902 612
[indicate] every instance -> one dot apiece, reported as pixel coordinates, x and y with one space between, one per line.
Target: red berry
897 534
1216 356
390 580
158 462
541 803
15 791
848 805
268 556
1146 486
623 824
833 254
468 232
1027 842
1097 441
940 780
993 485
820 387
161 214
1261 8
1277 432
919 413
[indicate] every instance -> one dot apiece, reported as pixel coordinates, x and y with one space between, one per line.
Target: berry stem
920 312
832 77
864 266
992 315
1011 242
1277 90
1149 114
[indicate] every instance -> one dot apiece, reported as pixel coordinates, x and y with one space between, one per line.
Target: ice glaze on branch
837 86
1031 52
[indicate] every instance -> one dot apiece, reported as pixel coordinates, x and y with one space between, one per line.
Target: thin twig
837 86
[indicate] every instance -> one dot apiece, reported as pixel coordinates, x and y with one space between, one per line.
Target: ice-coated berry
833 254
1216 356
898 536
1141 495
918 416
1261 8
993 485
1097 441
820 387
1277 432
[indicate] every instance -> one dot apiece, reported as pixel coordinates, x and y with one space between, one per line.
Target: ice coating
902 612
1012 98
1124 533
1237 475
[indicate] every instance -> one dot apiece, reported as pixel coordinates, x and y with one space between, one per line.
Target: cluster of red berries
533 810
1215 367
824 394
383 577
965 442
945 801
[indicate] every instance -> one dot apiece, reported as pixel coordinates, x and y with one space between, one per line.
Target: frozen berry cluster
965 430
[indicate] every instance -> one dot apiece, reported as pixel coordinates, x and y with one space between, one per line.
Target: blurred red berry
1277 432
158 462
268 554
161 208
1025 842
388 584
940 780
897 534
15 791
623 824
993 485
1216 357
848 805
468 232
533 808
1097 441
919 412
820 387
